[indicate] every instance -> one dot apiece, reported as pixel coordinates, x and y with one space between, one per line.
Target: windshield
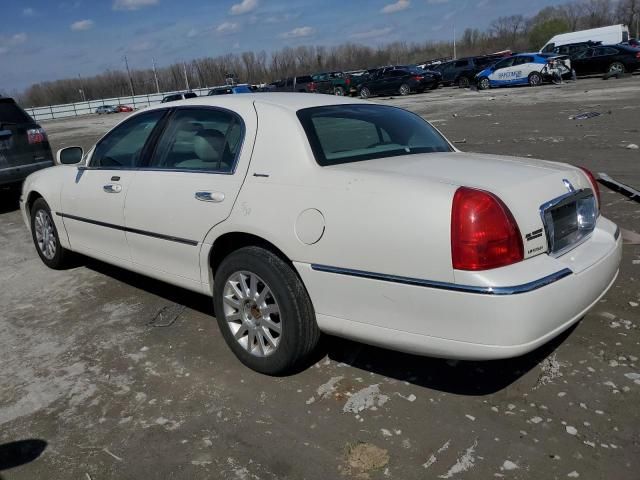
352 133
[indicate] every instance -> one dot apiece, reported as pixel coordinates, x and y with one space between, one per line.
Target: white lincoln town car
301 214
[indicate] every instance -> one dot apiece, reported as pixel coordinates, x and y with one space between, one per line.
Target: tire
339 91
404 90
256 316
365 92
535 79
616 68
484 84
463 82
45 236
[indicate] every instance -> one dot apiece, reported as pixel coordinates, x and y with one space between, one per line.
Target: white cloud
133 4
6 43
396 7
374 33
28 12
245 6
298 32
226 28
81 25
194 32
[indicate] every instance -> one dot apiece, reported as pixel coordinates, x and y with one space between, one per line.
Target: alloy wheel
252 313
45 234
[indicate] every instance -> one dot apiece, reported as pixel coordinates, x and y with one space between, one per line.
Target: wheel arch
229 242
30 200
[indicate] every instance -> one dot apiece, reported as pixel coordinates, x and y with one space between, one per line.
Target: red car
124 108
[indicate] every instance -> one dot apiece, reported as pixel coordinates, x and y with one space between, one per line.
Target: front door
92 199
189 185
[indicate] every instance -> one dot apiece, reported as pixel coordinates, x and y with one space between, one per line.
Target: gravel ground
117 392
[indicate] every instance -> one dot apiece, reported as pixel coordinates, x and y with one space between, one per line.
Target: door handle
215 197
110 188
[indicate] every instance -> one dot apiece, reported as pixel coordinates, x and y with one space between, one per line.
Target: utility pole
454 42
81 89
186 79
155 75
126 62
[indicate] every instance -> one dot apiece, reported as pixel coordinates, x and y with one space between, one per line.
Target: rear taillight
484 233
36 135
312 86
418 78
638 55
594 183
347 81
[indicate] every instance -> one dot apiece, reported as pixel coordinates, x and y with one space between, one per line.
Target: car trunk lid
526 186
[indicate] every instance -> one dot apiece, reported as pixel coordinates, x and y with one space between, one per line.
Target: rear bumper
9 175
470 325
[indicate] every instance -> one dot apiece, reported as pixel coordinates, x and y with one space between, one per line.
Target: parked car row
113 109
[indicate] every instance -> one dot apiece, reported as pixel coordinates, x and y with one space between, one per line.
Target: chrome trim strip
616 235
418 282
129 230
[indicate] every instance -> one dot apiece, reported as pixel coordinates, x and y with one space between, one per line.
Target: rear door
188 185
92 200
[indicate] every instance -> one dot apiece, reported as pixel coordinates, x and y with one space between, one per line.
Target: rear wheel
463 82
535 79
404 89
339 91
365 92
616 68
484 84
45 236
263 311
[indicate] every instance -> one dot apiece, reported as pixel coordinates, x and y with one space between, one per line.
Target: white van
606 35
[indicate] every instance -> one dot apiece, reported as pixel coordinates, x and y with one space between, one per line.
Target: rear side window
121 148
304 79
351 133
201 139
461 63
10 112
190 95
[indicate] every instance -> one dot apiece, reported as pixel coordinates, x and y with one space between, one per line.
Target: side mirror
69 156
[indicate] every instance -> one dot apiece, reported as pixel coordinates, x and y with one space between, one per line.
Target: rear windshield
10 112
190 95
304 79
352 133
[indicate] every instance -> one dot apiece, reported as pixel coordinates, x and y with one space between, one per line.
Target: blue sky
51 39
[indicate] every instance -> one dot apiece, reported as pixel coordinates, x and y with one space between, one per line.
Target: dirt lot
117 394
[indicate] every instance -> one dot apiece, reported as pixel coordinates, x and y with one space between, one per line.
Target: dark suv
463 71
24 147
404 80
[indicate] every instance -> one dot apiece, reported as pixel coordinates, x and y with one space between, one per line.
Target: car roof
289 101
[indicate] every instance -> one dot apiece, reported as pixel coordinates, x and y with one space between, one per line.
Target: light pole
126 63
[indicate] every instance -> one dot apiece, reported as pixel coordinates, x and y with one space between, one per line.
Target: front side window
122 147
351 133
200 139
506 63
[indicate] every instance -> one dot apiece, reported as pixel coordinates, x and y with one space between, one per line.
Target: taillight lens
418 78
594 183
484 233
347 81
36 135
638 55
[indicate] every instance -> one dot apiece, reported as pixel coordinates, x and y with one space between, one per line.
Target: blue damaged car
524 69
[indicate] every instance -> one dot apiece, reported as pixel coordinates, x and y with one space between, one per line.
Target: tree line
514 32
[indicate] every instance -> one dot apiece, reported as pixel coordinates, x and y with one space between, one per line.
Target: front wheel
404 89
535 79
463 82
264 311
365 92
339 91
484 84
45 236
616 68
